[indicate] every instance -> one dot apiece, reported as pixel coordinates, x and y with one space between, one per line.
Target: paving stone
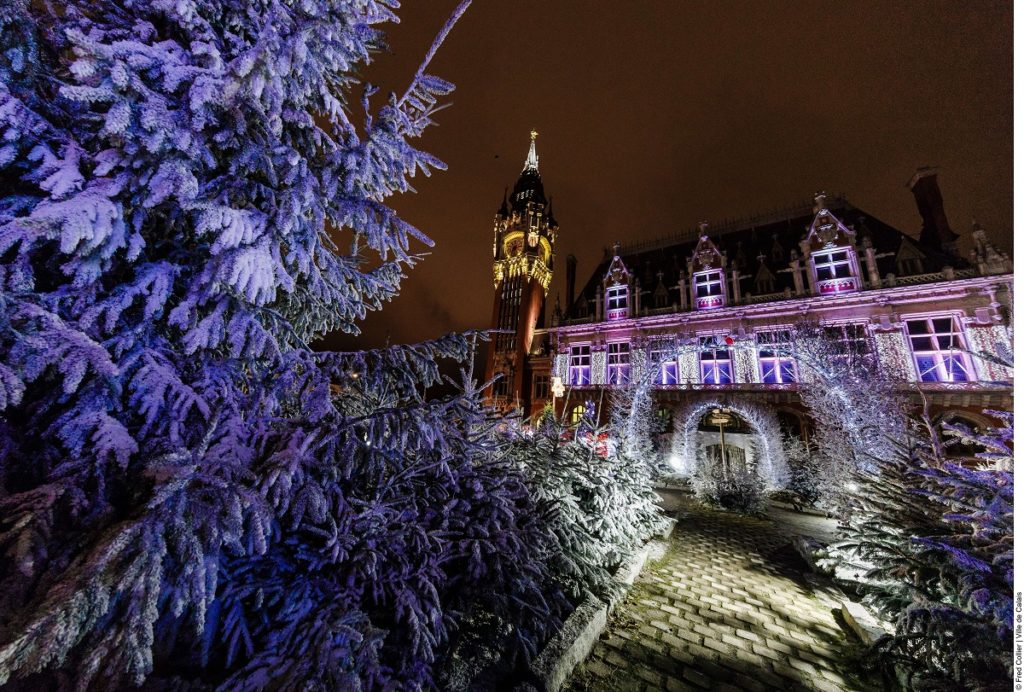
724 609
779 646
719 646
697 678
673 685
742 644
650 676
766 652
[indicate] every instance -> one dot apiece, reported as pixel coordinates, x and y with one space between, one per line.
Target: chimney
935 231
570 284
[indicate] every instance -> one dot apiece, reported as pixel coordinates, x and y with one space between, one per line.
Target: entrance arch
762 421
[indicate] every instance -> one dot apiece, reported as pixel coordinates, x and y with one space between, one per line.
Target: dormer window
834 271
709 289
617 302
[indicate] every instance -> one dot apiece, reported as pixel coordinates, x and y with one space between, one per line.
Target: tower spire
532 161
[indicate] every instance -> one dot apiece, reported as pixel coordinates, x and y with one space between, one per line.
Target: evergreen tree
805 468
600 508
930 546
187 490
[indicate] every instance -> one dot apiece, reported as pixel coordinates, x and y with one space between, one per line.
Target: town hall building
733 292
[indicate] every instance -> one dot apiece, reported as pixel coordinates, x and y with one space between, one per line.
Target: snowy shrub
598 509
930 546
741 489
188 493
805 472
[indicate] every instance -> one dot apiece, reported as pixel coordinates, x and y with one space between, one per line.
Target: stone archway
762 421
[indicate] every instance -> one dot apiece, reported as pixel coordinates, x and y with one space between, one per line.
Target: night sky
654 115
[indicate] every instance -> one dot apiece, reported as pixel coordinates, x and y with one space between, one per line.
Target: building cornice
798 307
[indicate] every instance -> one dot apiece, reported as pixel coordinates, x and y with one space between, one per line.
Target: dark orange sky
654 114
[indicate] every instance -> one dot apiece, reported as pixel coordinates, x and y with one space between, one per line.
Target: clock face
514 246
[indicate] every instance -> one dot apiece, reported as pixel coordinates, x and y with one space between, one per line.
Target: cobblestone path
725 609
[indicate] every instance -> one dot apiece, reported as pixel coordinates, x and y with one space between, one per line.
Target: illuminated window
715 362
577 415
618 363
709 289
937 345
579 365
666 370
833 270
617 302
775 357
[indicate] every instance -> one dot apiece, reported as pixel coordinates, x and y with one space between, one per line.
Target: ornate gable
706 256
826 230
618 273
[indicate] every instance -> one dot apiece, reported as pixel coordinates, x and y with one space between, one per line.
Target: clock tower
524 235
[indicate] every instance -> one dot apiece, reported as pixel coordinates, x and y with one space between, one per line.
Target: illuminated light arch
761 419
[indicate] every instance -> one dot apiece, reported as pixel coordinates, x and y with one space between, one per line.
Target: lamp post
720 417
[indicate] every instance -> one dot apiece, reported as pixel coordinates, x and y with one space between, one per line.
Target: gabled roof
743 242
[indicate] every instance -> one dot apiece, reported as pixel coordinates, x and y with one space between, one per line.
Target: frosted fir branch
421 80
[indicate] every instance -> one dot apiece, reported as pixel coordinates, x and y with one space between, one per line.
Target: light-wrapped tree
858 412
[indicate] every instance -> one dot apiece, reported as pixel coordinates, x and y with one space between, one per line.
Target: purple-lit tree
186 488
930 546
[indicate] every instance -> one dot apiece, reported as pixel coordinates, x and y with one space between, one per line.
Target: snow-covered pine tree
187 490
601 508
930 546
803 458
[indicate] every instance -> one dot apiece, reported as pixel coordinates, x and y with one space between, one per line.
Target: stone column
798 276
871 264
683 283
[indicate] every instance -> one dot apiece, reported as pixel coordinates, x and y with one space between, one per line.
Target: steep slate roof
774 237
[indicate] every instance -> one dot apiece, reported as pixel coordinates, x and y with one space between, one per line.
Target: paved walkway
725 609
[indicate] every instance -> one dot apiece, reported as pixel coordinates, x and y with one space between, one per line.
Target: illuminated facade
734 292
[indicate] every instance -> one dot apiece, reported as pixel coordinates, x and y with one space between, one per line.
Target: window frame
850 353
621 295
666 357
833 283
618 363
541 386
707 279
580 360
768 354
939 355
708 345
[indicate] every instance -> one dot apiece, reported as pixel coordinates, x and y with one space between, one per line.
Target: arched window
577 415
